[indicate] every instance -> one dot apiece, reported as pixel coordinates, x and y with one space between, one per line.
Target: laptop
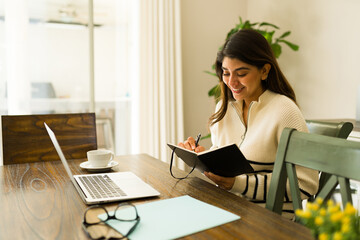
105 187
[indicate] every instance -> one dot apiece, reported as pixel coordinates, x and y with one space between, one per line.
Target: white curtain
16 33
159 103
15 82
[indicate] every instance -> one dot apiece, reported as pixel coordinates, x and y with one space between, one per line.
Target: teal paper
174 218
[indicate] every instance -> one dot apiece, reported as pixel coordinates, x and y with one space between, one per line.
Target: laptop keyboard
101 186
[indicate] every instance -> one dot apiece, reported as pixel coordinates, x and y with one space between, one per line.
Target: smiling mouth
237 90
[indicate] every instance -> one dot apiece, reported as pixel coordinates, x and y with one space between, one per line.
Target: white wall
323 72
205 24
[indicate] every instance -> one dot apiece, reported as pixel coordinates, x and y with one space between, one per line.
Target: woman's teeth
237 89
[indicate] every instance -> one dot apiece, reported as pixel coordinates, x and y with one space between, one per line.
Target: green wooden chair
318 152
332 129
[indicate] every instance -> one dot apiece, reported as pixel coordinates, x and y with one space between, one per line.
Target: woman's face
244 80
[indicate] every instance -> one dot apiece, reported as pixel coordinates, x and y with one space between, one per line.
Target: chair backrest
316 152
26 140
332 129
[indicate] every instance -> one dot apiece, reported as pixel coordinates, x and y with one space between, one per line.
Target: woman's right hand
190 145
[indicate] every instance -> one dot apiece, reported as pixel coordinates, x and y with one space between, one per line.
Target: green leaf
215 91
262 32
268 24
238 26
276 49
247 25
231 32
291 45
211 73
205 137
240 20
268 36
285 34
253 24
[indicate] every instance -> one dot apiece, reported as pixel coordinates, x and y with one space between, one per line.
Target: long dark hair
250 47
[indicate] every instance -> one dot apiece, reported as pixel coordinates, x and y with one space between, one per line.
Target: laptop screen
59 151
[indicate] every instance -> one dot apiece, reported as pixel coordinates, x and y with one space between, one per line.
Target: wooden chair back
25 138
332 129
318 152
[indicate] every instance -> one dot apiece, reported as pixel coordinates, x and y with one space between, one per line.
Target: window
45 62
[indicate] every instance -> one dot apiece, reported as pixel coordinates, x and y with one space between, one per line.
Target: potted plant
327 221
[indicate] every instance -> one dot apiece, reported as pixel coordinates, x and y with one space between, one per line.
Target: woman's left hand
223 182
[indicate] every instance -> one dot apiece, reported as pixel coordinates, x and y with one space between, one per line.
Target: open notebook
226 161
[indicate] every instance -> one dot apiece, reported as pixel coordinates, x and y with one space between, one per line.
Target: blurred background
45 62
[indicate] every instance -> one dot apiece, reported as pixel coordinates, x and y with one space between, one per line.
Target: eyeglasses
97 229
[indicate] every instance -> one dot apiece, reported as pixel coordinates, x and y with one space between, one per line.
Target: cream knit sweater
259 141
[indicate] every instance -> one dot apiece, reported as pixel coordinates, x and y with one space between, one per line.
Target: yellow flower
336 216
337 236
309 205
315 207
303 214
334 208
333 222
349 209
323 236
312 206
319 221
322 212
306 214
346 220
319 201
299 212
330 203
345 228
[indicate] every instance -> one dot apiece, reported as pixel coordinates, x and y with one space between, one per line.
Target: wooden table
38 201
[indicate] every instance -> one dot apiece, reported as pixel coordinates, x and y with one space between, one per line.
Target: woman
257 103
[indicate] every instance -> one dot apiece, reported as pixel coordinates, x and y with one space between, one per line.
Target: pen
197 140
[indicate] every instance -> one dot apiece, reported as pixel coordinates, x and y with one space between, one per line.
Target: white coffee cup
99 157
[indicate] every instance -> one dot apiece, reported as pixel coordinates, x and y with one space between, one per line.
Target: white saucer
86 165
